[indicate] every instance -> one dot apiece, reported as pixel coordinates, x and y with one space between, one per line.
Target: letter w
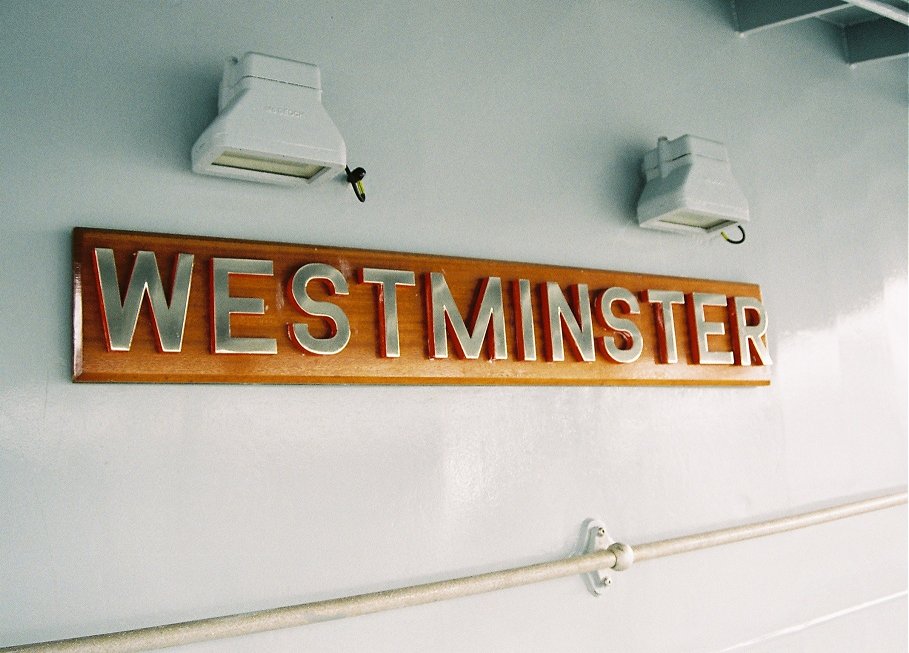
120 317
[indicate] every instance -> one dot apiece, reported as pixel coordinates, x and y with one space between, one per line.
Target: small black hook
734 242
355 179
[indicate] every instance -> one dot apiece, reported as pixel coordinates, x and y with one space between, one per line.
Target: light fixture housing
271 125
690 188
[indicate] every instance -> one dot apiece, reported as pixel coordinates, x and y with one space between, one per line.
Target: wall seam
817 621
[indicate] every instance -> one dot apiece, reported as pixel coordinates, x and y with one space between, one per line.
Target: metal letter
387 282
627 329
665 324
340 325
559 314
487 309
119 318
223 305
742 332
525 334
699 328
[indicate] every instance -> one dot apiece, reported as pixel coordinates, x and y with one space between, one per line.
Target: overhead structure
873 30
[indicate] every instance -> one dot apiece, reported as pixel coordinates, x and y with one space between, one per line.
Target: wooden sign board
154 308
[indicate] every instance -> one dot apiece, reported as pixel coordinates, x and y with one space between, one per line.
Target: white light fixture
271 125
690 188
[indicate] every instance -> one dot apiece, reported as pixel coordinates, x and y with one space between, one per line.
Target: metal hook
355 179
734 242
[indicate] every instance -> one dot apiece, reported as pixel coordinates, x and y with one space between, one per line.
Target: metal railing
615 556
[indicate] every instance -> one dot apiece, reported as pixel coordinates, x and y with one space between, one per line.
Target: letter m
119 317
488 310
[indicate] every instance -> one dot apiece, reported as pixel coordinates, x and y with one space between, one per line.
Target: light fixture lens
699 220
247 161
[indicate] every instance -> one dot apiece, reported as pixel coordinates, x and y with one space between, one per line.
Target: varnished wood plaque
155 308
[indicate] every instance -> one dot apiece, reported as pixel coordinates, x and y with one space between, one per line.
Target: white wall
501 132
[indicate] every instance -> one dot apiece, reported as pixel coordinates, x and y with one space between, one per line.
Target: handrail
617 556
722 536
